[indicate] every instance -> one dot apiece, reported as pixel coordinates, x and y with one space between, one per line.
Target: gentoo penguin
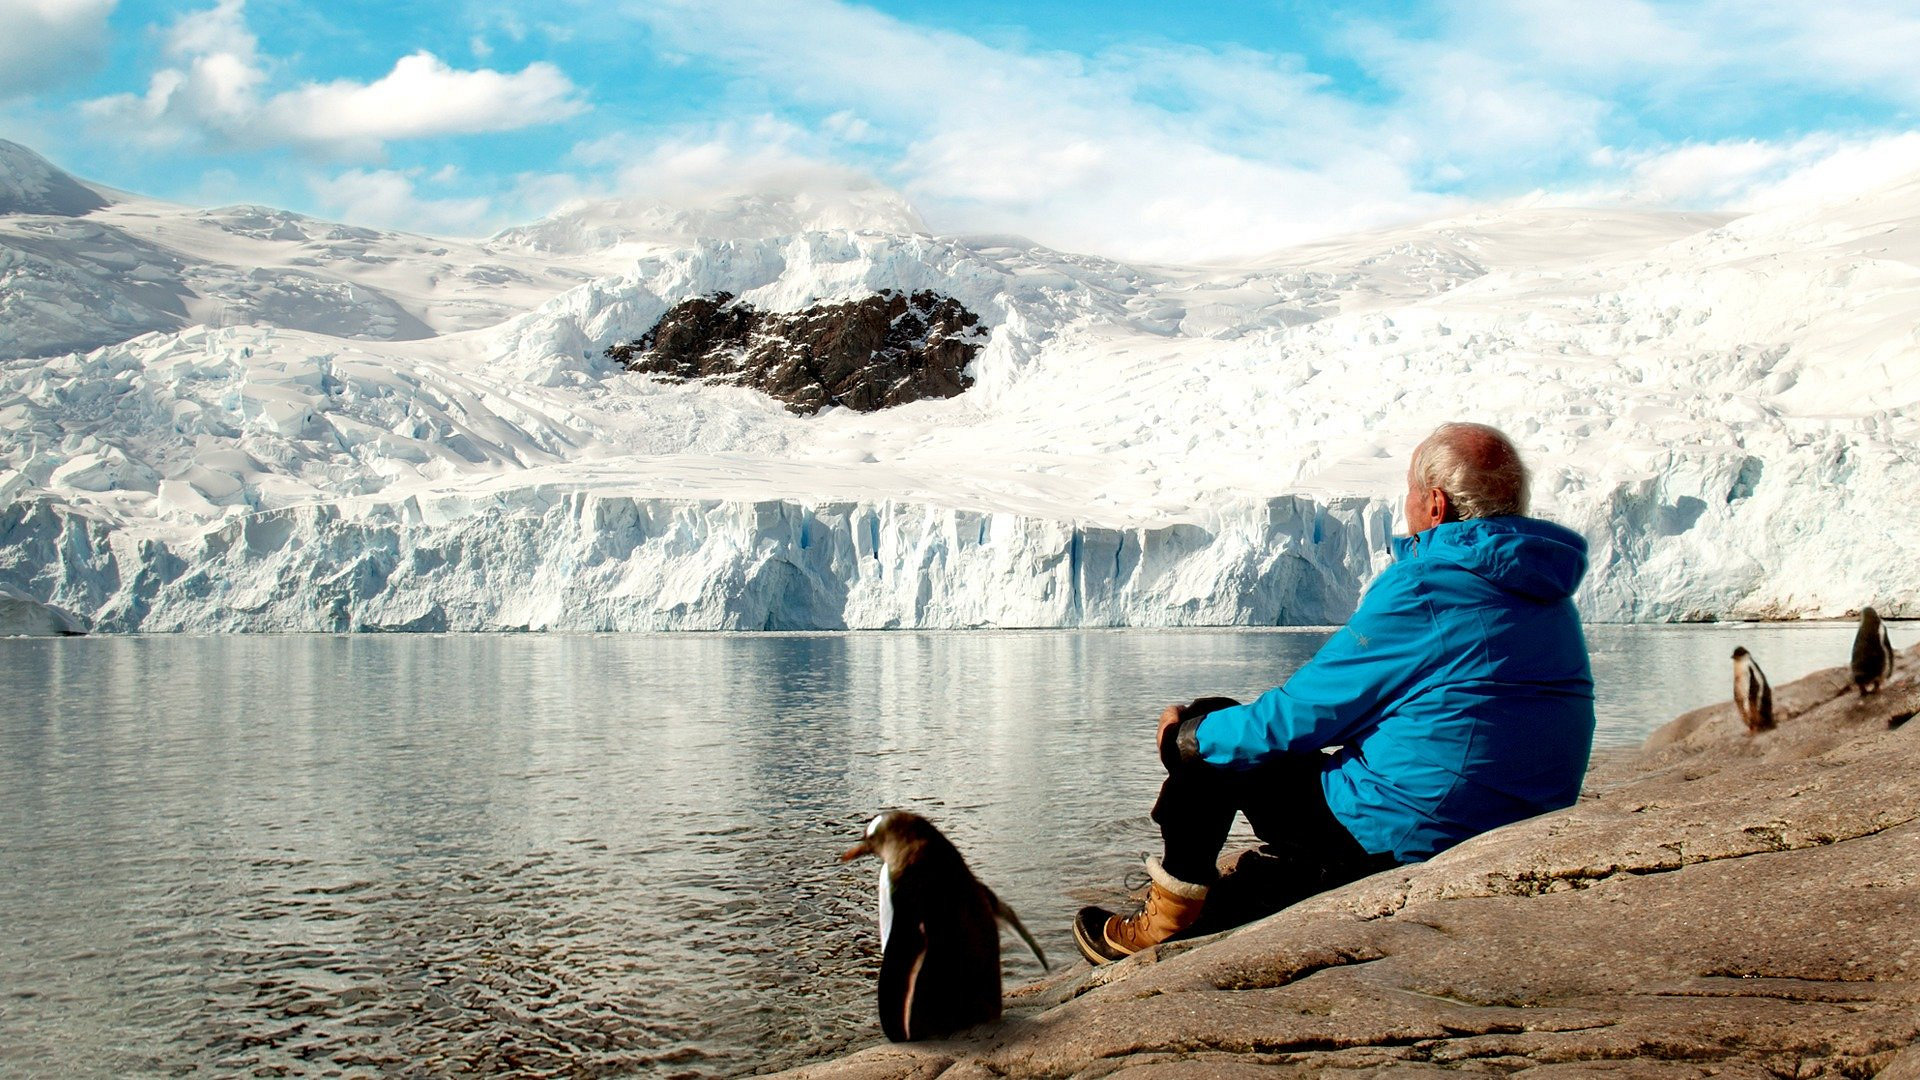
1751 694
939 944
1872 653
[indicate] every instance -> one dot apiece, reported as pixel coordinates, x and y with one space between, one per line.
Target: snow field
1725 408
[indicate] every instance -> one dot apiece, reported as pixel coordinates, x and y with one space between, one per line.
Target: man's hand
1169 716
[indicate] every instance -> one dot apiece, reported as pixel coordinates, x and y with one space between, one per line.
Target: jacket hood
1534 558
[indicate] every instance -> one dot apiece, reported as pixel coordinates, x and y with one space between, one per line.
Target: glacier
245 420
582 561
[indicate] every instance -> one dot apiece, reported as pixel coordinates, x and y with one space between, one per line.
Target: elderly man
1458 699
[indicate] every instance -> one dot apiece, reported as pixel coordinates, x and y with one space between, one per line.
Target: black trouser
1305 848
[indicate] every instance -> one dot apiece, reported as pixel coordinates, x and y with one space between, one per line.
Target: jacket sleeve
1386 648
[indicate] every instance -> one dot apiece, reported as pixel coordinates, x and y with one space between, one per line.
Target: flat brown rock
1718 904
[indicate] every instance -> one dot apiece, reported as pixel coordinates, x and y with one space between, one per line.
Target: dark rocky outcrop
1717 904
872 353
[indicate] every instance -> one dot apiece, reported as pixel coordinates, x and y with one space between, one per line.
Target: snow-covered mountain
247 419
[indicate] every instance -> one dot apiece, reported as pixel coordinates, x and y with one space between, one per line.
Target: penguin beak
857 850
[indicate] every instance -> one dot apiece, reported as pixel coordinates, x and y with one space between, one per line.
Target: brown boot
1171 906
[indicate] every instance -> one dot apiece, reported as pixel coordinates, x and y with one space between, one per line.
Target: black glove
1180 744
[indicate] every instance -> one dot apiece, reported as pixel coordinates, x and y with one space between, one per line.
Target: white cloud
847 126
1699 175
45 42
536 195
389 198
1752 174
213 92
1865 46
1163 151
1825 167
1178 151
1576 43
759 155
220 30
420 97
1156 153
1693 59
1456 108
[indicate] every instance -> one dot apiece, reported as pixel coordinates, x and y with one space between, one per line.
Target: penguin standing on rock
1751 693
1872 653
939 941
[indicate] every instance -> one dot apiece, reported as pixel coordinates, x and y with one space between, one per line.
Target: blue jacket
1459 695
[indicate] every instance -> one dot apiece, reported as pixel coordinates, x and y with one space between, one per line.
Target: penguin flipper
900 965
1005 914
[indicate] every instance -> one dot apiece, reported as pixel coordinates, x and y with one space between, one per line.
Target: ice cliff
429 436
548 560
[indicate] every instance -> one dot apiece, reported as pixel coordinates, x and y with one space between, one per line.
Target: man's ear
1440 509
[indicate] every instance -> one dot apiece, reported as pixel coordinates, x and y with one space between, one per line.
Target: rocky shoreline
1717 904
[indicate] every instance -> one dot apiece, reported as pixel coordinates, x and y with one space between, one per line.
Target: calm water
580 855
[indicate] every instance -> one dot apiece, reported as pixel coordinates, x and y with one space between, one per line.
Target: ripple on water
586 856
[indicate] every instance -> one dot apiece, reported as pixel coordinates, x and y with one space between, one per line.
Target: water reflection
590 855
1646 675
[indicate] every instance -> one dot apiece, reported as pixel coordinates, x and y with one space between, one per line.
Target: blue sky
1128 128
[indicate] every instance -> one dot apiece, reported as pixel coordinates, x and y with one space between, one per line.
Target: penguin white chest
886 906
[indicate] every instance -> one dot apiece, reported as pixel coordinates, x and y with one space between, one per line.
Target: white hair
1477 466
